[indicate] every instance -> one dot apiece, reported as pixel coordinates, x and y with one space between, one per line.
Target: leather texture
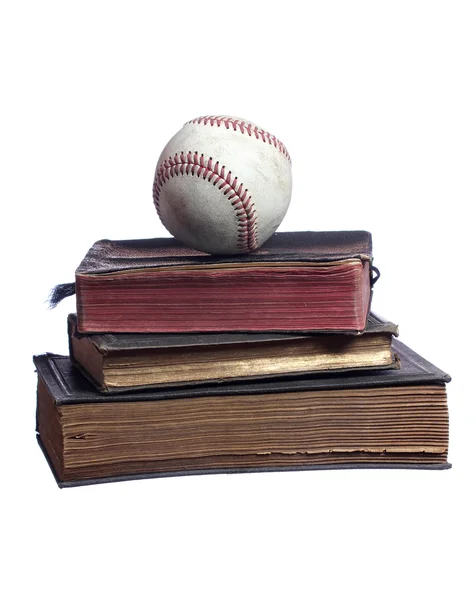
116 342
107 256
67 386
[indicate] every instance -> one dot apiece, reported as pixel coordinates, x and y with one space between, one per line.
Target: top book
299 281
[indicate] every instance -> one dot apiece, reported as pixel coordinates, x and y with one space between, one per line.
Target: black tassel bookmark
60 292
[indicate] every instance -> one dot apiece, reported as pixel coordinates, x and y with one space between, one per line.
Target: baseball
222 185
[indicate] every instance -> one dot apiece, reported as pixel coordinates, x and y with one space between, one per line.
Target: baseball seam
195 164
243 127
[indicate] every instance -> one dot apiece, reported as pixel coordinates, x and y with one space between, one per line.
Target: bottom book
390 418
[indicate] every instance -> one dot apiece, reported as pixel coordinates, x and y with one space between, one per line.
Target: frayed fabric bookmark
60 292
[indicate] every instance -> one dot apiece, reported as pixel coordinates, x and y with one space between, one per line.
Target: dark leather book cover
68 386
89 351
117 342
107 256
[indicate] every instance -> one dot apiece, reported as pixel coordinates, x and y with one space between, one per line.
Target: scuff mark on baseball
223 185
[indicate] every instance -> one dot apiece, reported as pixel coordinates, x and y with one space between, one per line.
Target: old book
118 362
299 281
388 418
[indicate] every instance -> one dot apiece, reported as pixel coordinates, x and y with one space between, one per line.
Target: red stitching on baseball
196 165
244 127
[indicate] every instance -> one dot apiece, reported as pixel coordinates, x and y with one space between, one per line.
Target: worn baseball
222 185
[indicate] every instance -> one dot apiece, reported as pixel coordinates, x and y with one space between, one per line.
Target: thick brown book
299 281
389 418
119 362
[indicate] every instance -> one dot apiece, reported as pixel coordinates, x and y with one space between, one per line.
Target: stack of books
186 363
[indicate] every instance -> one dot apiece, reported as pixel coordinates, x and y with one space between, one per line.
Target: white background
375 102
